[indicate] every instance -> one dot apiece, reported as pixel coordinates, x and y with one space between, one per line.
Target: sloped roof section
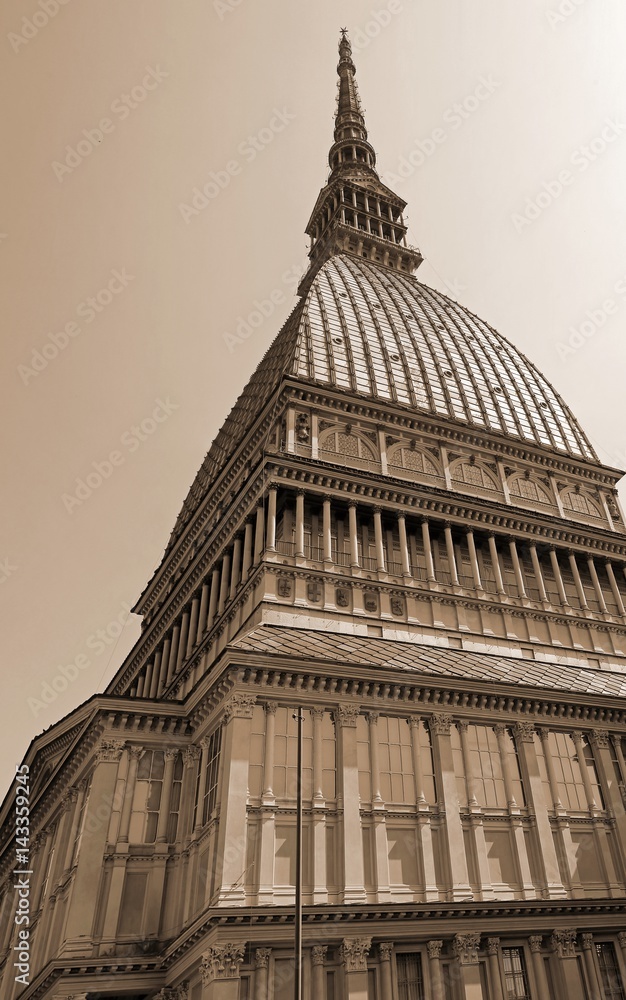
378 333
431 661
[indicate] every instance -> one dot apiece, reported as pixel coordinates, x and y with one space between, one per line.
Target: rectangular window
286 754
612 984
410 979
515 977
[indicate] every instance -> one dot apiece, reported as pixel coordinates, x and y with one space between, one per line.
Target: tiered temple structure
401 529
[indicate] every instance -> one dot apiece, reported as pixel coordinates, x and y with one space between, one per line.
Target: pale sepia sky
541 87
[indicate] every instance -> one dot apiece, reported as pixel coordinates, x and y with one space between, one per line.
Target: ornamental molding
465 948
353 953
221 962
564 943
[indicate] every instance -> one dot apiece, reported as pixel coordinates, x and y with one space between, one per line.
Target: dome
379 333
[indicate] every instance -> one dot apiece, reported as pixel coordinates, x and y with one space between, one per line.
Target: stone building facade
402 530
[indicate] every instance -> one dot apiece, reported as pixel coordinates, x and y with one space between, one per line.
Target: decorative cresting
221 962
353 953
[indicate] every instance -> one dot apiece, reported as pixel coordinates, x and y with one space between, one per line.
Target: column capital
352 503
109 751
543 733
465 948
413 721
134 752
535 941
221 962
524 731
586 941
461 725
353 953
300 492
424 519
493 945
239 706
621 937
434 948
171 753
500 729
564 943
385 951
270 707
191 753
262 958
346 715
318 954
599 739
372 718
317 713
377 509
440 723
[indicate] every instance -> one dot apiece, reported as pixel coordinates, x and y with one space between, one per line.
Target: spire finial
349 120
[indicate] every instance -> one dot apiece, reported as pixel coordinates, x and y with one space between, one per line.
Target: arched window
406 456
581 502
473 474
529 489
348 443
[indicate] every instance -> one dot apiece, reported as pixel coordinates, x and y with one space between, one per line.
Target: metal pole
298 929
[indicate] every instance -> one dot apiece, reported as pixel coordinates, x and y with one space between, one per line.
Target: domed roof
379 333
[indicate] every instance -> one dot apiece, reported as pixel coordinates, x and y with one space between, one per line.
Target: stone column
385 951
164 809
134 754
404 546
193 625
259 533
372 722
320 888
247 551
517 569
268 766
231 834
541 979
270 542
267 826
538 573
454 576
182 644
590 965
261 973
495 562
434 965
577 737
471 547
318 719
204 607
528 888
424 831
352 846
621 937
600 741
378 540
354 537
326 531
544 736
476 819
77 795
215 588
617 597
580 590
428 552
318 985
171 660
82 903
465 948
204 745
224 581
235 568
564 944
353 954
561 815
220 972
596 585
556 569
151 692
300 524
442 749
495 977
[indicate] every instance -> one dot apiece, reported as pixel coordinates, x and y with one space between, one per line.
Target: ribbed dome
379 333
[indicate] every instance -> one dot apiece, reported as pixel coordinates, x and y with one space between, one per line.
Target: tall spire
355 212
